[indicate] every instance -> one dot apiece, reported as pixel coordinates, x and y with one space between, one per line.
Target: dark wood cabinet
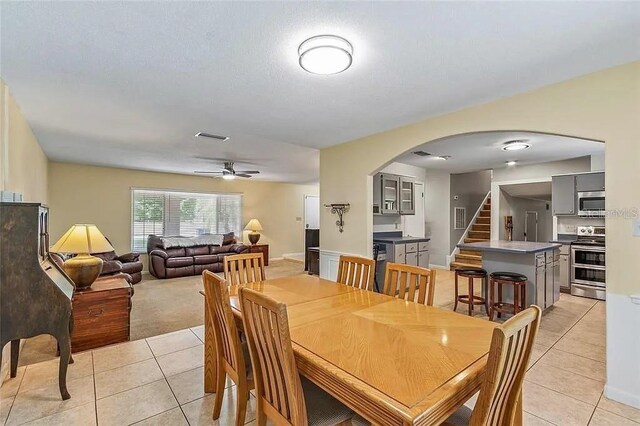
261 248
101 314
313 258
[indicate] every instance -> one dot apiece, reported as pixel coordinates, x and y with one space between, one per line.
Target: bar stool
471 299
519 283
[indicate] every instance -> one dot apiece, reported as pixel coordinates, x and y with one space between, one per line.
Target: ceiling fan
229 173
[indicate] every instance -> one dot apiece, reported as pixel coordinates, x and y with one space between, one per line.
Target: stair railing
456 250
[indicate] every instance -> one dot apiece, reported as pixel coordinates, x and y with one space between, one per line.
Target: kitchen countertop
564 239
401 240
516 247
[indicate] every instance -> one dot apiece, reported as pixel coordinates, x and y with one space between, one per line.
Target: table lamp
82 240
253 226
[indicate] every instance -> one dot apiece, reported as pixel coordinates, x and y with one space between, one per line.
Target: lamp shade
253 225
82 238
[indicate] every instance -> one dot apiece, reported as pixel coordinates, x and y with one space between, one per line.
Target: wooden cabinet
261 248
563 195
590 182
101 314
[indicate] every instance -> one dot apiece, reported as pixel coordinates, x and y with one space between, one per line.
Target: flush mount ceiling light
325 54
515 145
443 157
512 163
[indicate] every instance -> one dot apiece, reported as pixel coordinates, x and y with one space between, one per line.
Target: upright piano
35 293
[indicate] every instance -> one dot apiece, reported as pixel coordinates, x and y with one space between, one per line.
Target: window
182 213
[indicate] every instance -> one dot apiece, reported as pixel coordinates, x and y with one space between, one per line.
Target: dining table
394 362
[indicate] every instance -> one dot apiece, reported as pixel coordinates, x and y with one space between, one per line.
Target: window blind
183 213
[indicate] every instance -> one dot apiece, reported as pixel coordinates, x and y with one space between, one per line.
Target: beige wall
23 164
601 106
102 195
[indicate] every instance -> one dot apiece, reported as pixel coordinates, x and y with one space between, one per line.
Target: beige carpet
159 307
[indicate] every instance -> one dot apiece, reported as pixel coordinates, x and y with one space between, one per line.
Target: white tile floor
159 380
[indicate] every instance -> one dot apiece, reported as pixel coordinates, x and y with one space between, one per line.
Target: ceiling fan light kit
228 172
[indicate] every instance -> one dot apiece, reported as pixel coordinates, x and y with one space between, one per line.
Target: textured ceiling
129 83
483 151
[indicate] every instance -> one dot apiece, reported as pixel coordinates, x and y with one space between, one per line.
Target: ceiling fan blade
248 172
207 173
243 175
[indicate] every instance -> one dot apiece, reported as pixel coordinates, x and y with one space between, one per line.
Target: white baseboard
623 350
432 266
622 396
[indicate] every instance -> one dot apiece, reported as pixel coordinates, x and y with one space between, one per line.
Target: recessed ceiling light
511 163
325 54
211 136
443 157
515 145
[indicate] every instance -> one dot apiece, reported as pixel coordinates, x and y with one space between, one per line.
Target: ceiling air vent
211 136
421 153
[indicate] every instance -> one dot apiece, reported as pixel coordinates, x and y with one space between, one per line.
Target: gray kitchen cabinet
411 259
399 253
564 269
589 182
563 195
423 258
549 298
407 195
390 185
540 288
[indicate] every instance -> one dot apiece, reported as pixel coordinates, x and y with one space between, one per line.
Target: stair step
485 213
486 220
481 227
474 240
480 234
455 265
468 258
471 252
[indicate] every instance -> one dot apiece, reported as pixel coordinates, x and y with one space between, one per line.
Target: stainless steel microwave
591 203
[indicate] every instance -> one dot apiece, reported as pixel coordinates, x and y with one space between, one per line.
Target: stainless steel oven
588 263
591 203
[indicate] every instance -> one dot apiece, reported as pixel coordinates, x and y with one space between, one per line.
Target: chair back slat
278 387
409 282
226 333
244 268
509 355
356 271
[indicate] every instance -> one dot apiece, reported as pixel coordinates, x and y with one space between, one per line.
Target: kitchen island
539 262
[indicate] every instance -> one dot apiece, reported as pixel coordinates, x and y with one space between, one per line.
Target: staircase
480 230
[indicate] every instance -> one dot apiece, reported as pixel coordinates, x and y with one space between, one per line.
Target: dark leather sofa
129 263
187 260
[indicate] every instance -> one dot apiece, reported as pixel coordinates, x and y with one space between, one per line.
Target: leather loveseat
129 263
172 257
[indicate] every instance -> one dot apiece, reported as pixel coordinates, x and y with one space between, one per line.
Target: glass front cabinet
393 194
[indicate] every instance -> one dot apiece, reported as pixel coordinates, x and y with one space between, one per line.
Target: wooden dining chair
501 391
409 282
233 359
356 271
244 268
282 395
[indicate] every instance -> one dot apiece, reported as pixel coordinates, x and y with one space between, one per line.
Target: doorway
312 212
531 226
414 224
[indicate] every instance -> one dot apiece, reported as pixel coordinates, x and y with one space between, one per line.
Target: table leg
210 354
